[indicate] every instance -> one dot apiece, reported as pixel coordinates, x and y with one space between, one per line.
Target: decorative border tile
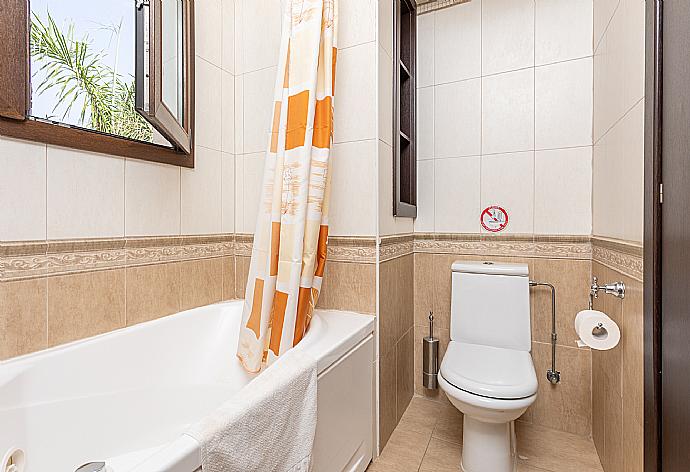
551 247
392 247
24 260
20 261
243 244
360 250
426 6
340 248
622 256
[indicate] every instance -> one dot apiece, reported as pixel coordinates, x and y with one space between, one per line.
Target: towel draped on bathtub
268 426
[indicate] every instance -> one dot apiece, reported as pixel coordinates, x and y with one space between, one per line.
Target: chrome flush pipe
552 374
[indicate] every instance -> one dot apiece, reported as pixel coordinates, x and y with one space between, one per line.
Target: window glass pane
172 52
83 66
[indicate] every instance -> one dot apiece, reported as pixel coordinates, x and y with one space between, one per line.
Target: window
114 77
404 132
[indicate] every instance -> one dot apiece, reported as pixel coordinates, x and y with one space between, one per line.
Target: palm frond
72 71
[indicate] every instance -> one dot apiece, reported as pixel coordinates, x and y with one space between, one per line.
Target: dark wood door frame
652 235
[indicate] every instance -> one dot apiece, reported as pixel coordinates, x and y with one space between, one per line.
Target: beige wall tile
22 190
566 406
349 286
404 352
571 279
228 277
228 191
389 317
423 287
387 397
441 287
607 406
457 194
632 346
22 317
563 30
554 171
508 180
618 117
257 108
353 199
241 274
152 199
84 305
80 186
201 210
152 292
405 290
617 387
355 116
357 23
598 404
202 282
208 126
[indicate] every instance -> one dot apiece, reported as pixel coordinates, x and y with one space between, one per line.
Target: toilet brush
430 365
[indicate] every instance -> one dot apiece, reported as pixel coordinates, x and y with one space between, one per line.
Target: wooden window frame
15 90
404 110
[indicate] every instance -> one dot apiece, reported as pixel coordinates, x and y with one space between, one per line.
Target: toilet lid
488 371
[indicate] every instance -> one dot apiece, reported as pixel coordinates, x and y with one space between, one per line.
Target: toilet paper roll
597 330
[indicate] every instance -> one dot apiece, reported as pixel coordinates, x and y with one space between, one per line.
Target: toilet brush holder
430 362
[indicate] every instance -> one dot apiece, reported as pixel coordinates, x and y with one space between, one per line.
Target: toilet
487 370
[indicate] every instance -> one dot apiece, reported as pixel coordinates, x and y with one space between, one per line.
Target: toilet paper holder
617 289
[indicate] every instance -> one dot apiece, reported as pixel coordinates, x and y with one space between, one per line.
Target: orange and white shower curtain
290 240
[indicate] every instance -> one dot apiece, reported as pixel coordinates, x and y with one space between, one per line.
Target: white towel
268 426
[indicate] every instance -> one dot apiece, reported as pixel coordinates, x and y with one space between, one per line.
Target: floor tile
421 416
449 425
378 466
522 467
429 439
405 450
441 456
556 451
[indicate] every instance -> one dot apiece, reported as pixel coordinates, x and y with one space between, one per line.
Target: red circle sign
494 219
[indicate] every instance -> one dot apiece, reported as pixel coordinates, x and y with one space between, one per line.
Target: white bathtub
127 397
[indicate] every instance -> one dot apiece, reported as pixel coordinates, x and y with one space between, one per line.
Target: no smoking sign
494 219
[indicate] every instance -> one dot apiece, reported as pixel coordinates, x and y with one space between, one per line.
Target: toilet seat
490 372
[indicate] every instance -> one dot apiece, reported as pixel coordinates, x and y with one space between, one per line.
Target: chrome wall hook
617 289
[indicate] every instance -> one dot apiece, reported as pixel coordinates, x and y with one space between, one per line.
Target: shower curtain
289 252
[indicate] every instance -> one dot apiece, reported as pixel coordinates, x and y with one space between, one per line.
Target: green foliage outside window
78 76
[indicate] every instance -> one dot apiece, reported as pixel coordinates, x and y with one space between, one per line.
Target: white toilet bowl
492 387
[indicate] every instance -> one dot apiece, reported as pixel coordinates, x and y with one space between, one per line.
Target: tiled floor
429 439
